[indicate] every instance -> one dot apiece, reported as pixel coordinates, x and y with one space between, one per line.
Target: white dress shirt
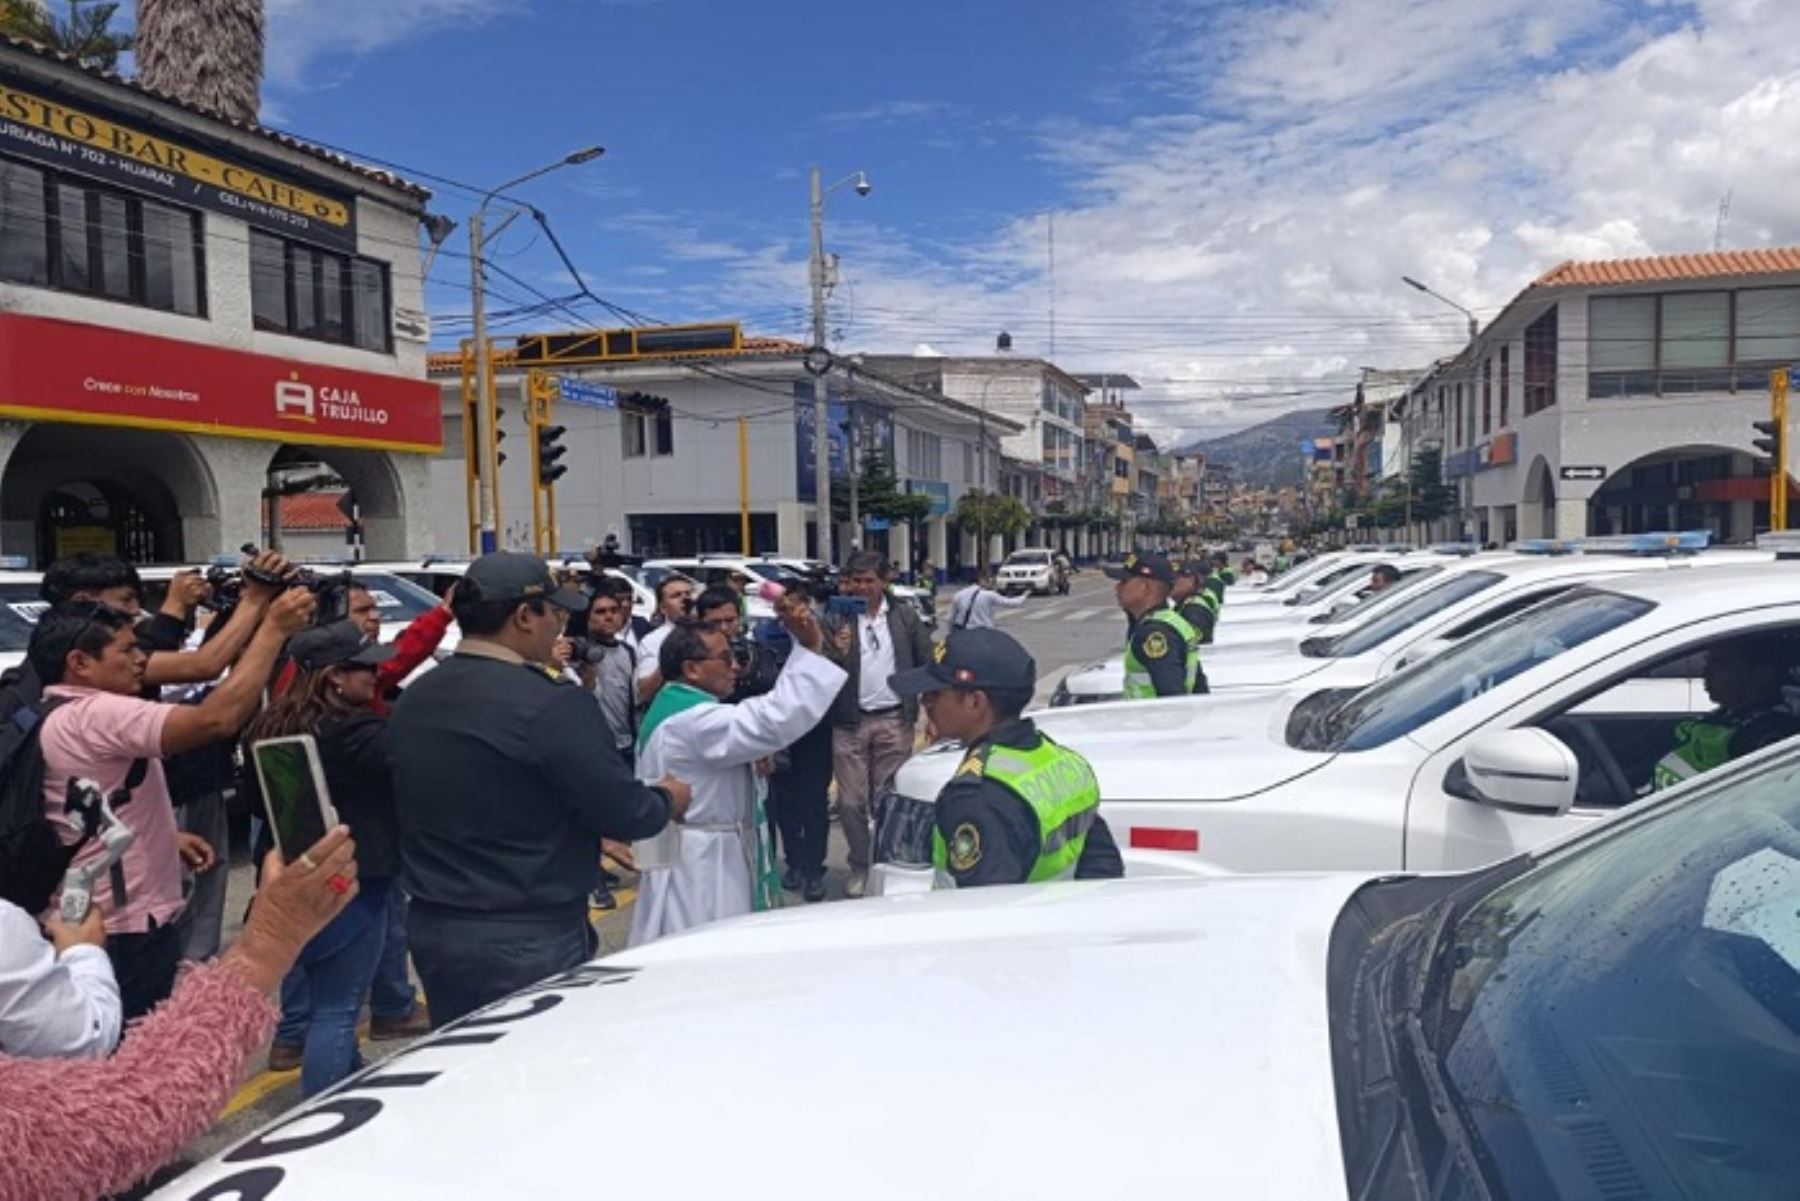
53 1006
876 642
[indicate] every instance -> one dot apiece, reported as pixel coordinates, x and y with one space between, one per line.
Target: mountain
1266 455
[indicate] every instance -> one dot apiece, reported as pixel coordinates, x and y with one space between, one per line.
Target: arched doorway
1685 488
139 494
362 486
1537 508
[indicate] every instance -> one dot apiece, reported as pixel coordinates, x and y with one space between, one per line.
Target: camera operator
100 728
674 603
504 796
116 584
607 659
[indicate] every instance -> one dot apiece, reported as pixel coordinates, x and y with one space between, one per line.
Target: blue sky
1236 187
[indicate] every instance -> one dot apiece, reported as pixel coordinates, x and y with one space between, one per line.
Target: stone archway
372 480
145 495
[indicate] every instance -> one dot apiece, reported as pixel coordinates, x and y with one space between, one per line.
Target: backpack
33 859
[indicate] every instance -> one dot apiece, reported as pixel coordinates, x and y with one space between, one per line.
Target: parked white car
1611 1018
1585 687
1031 569
1402 625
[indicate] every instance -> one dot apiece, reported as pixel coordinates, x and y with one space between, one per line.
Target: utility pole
816 272
488 504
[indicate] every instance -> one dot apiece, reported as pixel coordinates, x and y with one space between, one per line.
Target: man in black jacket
504 795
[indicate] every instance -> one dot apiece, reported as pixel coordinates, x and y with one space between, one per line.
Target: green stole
765 877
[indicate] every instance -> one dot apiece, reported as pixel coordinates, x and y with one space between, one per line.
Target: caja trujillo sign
82 139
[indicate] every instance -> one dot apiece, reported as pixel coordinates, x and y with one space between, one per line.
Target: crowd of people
480 806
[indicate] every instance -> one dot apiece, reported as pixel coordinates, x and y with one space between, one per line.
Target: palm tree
207 52
85 35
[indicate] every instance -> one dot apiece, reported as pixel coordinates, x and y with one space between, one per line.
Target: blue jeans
392 998
330 980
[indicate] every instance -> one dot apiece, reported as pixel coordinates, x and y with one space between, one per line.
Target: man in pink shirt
98 727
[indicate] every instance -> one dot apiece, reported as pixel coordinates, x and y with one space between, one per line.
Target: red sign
64 371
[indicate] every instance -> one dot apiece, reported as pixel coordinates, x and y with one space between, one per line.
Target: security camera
863 186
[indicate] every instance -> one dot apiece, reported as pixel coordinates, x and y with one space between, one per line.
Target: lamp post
485 446
816 272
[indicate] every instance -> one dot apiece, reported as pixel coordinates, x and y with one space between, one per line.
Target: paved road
1061 632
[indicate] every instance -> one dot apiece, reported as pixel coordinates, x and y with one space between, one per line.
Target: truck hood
1273 664
1181 1026
1195 748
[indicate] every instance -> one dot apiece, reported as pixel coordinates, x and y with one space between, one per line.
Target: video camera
331 589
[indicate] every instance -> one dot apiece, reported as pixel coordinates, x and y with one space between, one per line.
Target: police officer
1199 604
1020 809
504 795
1745 678
1162 650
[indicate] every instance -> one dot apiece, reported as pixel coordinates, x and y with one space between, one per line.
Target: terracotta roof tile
262 131
312 511
1665 268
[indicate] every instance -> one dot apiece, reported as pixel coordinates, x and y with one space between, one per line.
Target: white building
661 473
1618 397
188 305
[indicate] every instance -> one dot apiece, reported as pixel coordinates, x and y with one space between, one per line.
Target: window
1487 396
70 235
309 293
1505 382
646 433
24 244
1540 363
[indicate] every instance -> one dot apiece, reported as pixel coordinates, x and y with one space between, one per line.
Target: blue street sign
573 391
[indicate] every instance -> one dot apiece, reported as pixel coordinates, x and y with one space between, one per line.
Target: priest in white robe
723 864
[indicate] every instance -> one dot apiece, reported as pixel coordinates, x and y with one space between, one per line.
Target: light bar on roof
1785 543
1681 542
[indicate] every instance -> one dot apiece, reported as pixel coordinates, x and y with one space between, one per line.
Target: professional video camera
332 589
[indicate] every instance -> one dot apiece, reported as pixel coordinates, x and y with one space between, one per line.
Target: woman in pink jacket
88 1128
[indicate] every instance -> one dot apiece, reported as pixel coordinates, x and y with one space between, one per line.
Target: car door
1617 716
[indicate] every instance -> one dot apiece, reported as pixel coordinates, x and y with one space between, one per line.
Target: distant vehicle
1033 570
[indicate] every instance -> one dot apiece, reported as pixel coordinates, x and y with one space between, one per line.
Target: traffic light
550 449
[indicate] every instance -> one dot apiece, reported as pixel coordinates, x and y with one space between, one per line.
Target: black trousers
144 965
799 801
468 960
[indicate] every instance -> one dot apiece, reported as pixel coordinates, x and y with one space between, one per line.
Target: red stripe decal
1152 838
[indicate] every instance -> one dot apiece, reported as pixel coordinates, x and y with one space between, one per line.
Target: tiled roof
387 178
1668 267
312 511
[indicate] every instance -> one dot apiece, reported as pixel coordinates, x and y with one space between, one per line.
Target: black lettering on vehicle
252 1184
352 1112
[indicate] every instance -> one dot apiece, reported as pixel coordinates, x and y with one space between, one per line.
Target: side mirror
1422 652
1522 771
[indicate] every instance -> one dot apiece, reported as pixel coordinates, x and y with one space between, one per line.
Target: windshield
399 600
1624 1019
1411 610
19 609
1400 704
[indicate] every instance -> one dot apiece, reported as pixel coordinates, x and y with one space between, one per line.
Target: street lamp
489 491
1474 325
816 275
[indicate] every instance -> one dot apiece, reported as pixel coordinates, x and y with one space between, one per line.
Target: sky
1230 192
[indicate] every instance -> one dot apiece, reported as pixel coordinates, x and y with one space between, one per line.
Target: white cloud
1243 249
306 37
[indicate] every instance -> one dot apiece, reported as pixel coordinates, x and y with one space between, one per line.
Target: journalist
504 796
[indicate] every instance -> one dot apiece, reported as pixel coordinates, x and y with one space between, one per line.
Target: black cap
1144 564
506 575
340 644
978 660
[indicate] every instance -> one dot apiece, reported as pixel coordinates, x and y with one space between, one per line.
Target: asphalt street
1061 632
